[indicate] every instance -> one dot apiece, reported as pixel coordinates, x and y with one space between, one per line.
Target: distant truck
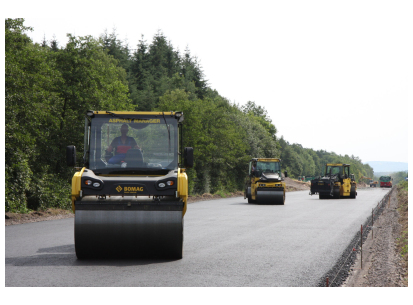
386 181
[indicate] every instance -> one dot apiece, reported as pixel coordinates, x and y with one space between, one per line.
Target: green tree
261 115
47 92
217 141
31 104
158 68
91 79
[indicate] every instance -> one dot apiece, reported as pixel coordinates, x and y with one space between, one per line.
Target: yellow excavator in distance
371 182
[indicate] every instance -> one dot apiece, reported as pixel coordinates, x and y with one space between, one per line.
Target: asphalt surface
227 242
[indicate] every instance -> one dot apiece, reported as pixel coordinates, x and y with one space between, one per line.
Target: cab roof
266 159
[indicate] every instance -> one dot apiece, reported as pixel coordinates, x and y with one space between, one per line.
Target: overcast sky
332 75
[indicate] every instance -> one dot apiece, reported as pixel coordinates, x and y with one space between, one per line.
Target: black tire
248 191
323 196
336 193
353 192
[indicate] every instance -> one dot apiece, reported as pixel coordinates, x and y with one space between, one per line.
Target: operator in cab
121 145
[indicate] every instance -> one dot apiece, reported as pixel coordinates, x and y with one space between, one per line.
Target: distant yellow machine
337 182
265 183
370 180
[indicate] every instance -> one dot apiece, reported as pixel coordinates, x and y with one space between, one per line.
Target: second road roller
337 182
130 195
265 183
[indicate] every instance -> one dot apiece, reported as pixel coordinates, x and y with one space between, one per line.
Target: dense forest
48 89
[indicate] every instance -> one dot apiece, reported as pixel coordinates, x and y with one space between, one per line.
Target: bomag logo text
133 189
129 189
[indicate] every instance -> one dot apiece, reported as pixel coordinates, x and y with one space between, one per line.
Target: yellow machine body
130 201
265 183
337 182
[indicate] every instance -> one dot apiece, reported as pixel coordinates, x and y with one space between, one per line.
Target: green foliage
217 141
403 185
399 177
47 92
30 104
299 161
158 68
18 178
90 80
49 191
222 193
224 139
261 116
405 250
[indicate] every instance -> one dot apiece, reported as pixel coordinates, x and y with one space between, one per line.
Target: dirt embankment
35 216
295 185
52 214
402 244
384 260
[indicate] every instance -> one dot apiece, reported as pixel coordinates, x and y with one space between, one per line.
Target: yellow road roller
265 184
130 196
337 182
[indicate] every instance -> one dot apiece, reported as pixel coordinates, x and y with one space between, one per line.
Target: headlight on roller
96 184
88 182
166 184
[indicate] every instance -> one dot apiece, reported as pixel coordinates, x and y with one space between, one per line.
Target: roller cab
265 184
130 196
337 182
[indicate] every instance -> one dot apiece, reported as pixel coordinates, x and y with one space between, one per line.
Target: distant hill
379 174
388 167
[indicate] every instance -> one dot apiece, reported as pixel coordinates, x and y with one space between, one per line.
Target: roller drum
128 233
270 197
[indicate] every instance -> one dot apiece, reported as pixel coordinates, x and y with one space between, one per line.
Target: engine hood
270 177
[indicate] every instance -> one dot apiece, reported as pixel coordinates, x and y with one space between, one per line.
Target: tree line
396 176
48 89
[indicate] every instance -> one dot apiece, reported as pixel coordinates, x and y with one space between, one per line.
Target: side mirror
286 174
188 157
71 155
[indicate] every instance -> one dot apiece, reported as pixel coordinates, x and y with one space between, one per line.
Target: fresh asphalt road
228 242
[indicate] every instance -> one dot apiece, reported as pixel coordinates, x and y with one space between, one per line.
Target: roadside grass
223 193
